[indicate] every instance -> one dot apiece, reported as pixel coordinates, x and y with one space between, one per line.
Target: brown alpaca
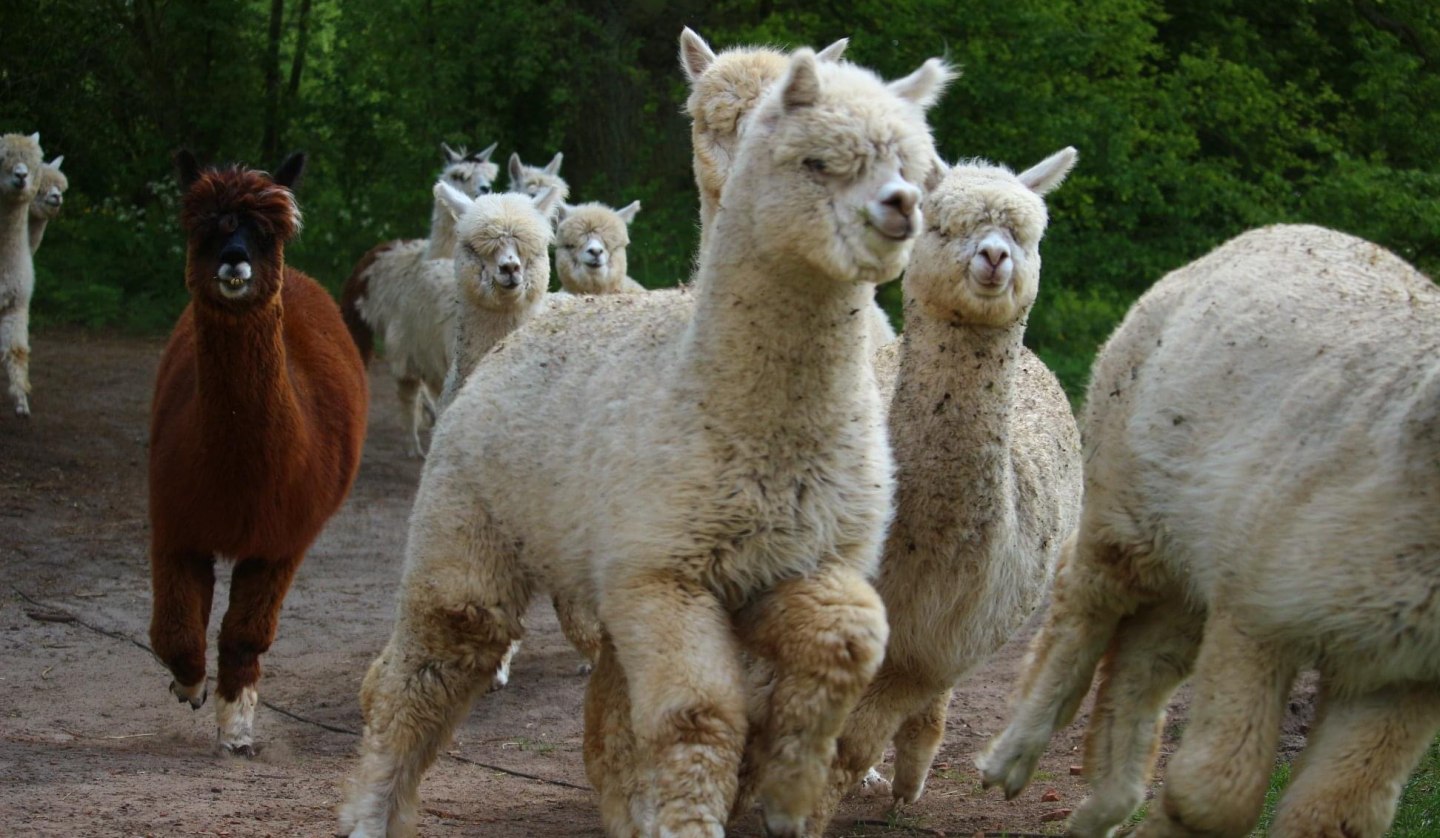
255 433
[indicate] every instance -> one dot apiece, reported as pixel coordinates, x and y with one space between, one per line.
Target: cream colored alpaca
710 472
1262 435
987 455
724 89
20 162
529 180
405 292
49 197
590 248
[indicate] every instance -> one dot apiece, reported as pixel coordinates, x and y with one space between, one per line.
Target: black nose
234 254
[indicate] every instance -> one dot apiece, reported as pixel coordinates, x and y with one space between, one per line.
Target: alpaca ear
695 55
546 199
1049 173
187 168
801 86
562 212
452 199
553 167
516 169
924 86
484 156
938 171
451 155
628 214
833 52
55 164
35 137
289 173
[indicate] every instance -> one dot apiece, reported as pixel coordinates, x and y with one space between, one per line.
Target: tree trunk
270 144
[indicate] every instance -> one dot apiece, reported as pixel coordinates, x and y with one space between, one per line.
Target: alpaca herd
780 534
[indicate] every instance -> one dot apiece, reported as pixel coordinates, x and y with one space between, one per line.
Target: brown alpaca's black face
236 262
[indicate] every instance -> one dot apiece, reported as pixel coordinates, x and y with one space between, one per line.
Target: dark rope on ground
52 614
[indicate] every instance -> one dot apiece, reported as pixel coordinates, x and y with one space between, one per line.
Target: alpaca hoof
584 669
247 750
874 784
194 695
22 410
235 721
1008 766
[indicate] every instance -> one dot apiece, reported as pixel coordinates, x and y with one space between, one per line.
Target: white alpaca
1262 435
590 249
20 162
529 180
710 472
724 89
405 292
49 197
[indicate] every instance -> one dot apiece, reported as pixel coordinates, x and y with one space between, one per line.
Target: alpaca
405 291
590 249
255 434
724 89
529 180
648 455
1261 439
988 471
48 199
20 162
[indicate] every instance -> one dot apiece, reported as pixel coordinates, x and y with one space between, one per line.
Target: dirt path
91 743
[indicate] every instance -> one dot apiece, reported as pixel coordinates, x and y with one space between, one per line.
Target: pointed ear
695 55
516 169
1049 173
938 171
484 156
452 199
628 214
55 164
833 52
553 167
924 86
562 212
288 174
187 168
35 137
546 199
451 155
801 85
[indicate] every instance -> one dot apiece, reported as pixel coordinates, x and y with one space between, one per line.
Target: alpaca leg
581 627
15 352
677 650
501 679
610 761
461 603
407 391
1087 602
182 584
257 592
916 743
1215 783
1152 652
825 637
1355 763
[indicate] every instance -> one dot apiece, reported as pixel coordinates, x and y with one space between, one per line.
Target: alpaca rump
1261 438
645 455
256 430
20 164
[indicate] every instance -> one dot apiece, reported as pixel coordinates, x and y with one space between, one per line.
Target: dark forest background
1194 120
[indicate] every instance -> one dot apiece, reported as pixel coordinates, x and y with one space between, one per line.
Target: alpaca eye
814 164
485 190
457 178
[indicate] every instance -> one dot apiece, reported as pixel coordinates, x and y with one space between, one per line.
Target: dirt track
91 743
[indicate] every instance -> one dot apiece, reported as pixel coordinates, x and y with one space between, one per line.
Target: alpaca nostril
995 255
902 200
509 268
233 255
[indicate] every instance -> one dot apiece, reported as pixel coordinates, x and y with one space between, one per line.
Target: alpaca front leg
15 352
581 627
407 391
825 637
1360 750
182 585
257 592
681 662
916 744
610 756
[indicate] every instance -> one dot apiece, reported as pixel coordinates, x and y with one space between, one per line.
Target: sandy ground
91 743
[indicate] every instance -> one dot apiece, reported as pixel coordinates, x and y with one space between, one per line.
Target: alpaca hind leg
257 592
681 662
15 352
1089 597
1215 783
824 636
1359 753
610 761
407 392
1152 652
916 744
182 584
581 627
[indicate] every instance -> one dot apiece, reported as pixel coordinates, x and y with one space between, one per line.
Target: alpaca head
590 247
50 195
978 261
724 89
530 180
503 261
830 168
236 222
20 162
469 172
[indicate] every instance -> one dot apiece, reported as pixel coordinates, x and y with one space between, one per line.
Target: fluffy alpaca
405 291
1261 439
675 486
590 249
988 469
20 162
48 199
724 89
529 180
255 434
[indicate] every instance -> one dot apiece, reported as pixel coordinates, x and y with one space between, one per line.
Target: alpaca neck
18 271
477 330
37 231
443 240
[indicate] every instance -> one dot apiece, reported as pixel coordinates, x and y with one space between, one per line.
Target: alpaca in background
20 163
529 180
48 200
590 249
